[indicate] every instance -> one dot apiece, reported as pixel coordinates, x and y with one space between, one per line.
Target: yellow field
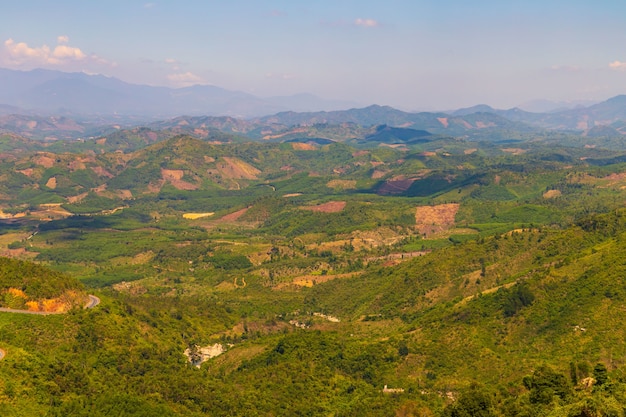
195 216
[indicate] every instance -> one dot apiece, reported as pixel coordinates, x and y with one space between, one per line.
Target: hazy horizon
413 55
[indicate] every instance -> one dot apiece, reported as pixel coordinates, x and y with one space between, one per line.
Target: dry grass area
297 146
379 174
76 198
195 216
552 194
292 195
330 207
235 168
310 280
44 160
435 219
52 183
19 253
342 184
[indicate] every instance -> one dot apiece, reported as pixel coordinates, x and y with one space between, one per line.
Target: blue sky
410 54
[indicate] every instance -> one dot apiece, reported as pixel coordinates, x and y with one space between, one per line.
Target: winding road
93 301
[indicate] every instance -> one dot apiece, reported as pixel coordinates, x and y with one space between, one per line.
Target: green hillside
467 279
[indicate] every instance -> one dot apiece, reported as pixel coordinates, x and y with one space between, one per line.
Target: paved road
93 301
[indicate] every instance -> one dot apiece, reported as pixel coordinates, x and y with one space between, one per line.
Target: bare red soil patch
330 207
396 185
174 177
434 219
44 161
303 146
233 217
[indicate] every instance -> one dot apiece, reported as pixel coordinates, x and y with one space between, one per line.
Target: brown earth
303 146
233 217
552 194
310 280
433 219
174 177
44 161
396 185
172 174
76 198
101 172
52 183
330 207
28 172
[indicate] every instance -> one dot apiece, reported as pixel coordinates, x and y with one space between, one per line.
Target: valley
428 278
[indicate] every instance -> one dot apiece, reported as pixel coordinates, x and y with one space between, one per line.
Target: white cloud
185 79
21 55
67 52
368 23
618 65
170 61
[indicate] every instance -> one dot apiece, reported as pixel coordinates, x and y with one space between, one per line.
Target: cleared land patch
235 168
232 217
433 219
552 194
330 207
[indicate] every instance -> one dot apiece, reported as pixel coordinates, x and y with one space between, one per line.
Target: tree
475 402
600 373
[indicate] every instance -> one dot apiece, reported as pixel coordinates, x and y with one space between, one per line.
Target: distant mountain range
55 92
52 105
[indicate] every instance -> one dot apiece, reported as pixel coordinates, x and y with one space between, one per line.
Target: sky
409 54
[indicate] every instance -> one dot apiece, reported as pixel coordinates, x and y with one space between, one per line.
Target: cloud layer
21 55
